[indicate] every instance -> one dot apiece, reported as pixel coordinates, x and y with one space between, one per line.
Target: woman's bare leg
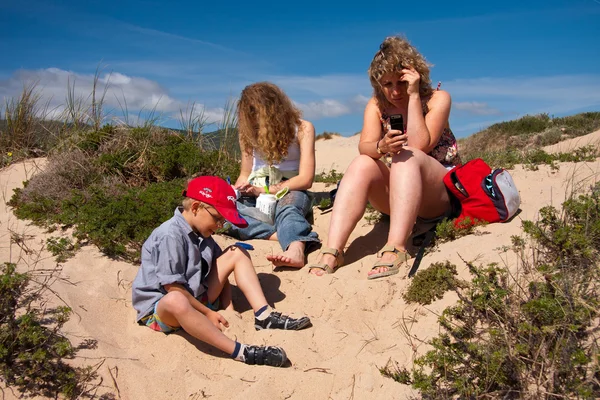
365 180
416 189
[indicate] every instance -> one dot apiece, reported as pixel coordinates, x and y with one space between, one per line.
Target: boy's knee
174 303
234 254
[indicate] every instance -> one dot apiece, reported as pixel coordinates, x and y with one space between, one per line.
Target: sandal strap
321 266
388 248
339 260
339 255
330 250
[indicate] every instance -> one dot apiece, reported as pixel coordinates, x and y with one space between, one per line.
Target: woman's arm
424 132
306 171
370 137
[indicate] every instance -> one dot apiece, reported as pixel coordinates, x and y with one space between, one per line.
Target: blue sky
499 60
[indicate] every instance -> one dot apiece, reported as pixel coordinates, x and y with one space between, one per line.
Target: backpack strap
428 238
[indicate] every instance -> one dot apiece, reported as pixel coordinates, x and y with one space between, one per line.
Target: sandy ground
358 324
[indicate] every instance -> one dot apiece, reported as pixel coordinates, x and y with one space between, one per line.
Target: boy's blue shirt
173 253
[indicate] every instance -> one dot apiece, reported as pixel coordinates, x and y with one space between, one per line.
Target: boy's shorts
153 321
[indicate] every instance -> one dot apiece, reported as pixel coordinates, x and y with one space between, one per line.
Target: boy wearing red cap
184 276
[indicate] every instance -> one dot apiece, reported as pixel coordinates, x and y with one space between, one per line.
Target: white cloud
474 107
326 108
122 93
581 89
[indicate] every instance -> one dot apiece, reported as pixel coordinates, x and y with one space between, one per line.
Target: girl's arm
245 168
306 171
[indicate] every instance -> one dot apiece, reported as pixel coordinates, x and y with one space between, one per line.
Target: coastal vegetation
527 334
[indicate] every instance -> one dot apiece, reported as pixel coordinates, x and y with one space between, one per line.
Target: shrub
61 248
525 335
32 349
120 224
430 284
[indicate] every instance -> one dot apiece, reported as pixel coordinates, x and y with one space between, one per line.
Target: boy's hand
217 319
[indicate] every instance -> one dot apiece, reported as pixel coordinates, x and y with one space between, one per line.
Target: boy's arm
213 316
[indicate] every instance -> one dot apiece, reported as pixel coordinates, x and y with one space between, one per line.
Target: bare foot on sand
292 257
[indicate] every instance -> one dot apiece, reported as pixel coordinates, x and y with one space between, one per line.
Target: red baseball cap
219 194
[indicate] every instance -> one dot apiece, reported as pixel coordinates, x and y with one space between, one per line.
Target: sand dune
357 323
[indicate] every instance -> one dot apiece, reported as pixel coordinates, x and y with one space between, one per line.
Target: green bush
32 349
119 225
526 335
61 248
432 283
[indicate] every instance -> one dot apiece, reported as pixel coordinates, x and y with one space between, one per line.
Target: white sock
238 353
264 314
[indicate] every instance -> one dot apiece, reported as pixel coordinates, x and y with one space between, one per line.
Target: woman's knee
363 163
410 155
364 168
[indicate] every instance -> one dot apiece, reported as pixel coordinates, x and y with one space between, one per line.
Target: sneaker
276 320
265 355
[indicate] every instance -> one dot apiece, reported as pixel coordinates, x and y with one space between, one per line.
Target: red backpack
484 195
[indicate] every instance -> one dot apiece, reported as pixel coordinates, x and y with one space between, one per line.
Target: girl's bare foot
292 257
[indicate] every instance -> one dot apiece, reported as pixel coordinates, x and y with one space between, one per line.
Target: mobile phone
397 122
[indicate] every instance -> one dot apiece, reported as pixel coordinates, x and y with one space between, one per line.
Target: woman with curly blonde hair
401 165
278 151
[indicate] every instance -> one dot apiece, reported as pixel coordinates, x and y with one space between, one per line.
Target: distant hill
528 132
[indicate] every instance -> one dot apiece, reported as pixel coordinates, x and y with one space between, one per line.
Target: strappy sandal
339 261
393 267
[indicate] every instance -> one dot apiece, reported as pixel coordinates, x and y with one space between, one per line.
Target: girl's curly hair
394 53
267 121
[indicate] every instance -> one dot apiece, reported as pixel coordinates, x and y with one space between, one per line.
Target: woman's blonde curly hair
267 121
394 53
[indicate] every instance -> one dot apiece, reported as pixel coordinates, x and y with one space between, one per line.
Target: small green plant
326 135
324 203
393 370
329 177
62 248
372 216
32 349
447 231
432 283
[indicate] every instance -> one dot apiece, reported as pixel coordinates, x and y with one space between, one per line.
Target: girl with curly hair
399 171
278 151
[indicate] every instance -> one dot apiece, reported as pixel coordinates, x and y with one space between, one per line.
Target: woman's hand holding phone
393 141
395 138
